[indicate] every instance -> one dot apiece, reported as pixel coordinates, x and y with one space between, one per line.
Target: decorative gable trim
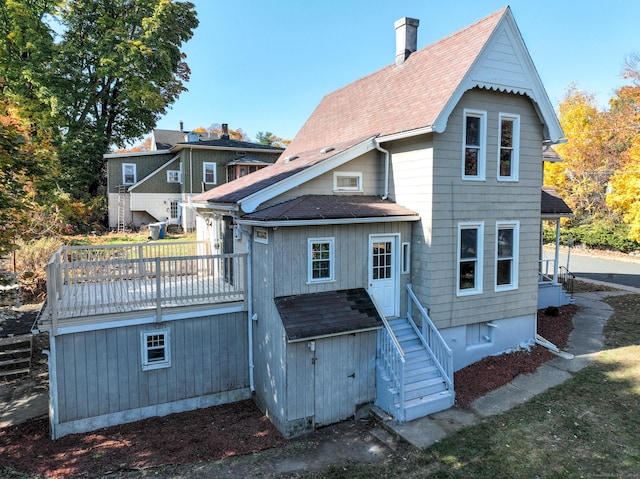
506 47
250 203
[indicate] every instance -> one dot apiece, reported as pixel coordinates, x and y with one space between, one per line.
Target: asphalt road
618 271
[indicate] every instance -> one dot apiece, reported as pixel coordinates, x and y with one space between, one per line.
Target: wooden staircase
425 389
15 356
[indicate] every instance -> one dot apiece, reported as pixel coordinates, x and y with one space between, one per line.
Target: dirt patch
237 440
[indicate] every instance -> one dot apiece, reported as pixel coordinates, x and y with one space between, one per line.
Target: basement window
156 350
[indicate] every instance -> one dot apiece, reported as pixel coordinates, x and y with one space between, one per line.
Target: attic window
347 181
291 158
327 149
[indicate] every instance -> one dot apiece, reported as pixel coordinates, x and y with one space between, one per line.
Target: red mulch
222 431
490 373
201 435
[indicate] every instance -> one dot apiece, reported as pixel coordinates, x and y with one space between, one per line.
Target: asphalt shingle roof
315 315
552 204
313 207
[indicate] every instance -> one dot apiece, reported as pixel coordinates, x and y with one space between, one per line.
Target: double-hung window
173 176
470 257
156 351
321 262
474 145
209 173
128 173
509 142
507 240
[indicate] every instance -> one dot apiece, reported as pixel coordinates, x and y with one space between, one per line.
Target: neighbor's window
174 209
156 352
344 181
173 176
128 173
470 246
507 256
321 259
508 152
209 173
474 138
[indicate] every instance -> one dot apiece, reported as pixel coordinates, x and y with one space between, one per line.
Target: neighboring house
151 186
396 240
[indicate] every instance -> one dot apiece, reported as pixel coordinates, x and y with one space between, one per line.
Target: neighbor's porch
113 283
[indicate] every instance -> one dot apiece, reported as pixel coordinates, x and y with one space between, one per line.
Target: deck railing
88 280
431 338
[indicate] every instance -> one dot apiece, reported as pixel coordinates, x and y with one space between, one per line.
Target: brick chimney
406 38
225 131
181 126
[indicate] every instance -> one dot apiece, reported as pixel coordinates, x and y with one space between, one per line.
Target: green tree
106 77
268 138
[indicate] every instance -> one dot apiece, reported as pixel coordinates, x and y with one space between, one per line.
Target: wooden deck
87 282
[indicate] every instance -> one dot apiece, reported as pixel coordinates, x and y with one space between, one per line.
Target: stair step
424 388
421 373
7 352
421 407
11 362
13 372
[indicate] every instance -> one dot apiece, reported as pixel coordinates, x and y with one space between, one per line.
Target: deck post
158 292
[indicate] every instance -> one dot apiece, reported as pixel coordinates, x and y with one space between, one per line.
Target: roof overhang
195 146
327 221
250 203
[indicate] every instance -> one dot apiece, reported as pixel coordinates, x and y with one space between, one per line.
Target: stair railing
392 357
431 338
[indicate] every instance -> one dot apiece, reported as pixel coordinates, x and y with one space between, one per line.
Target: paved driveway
624 271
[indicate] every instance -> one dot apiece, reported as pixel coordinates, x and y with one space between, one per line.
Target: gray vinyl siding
99 372
427 179
370 165
351 254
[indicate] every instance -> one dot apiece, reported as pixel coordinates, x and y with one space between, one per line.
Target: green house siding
145 165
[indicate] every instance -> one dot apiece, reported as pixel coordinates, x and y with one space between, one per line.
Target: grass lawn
587 427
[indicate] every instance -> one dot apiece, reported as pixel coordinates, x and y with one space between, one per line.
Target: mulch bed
202 435
223 431
492 372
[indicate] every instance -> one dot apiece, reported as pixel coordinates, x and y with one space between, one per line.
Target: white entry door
383 272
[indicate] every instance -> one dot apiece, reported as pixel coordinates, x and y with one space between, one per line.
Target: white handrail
431 339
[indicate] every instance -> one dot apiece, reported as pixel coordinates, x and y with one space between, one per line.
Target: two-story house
151 186
396 240
425 173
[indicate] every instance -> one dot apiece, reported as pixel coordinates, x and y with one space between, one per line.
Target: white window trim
479 258
406 258
204 173
173 176
482 157
166 362
135 174
515 159
343 174
261 235
516 255
332 266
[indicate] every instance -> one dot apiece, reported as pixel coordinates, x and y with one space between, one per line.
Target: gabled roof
552 206
414 98
227 144
317 315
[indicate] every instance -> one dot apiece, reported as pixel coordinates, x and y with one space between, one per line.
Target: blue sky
265 65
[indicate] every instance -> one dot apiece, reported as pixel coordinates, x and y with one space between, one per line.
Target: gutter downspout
249 306
386 168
